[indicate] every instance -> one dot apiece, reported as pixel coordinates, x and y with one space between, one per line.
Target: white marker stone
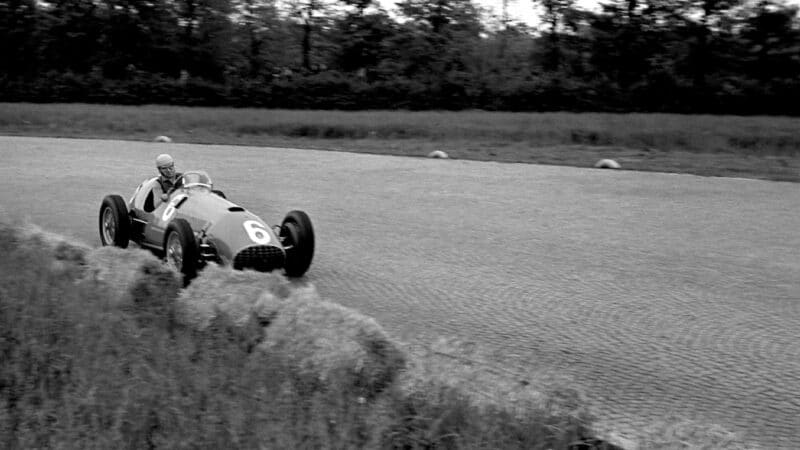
607 164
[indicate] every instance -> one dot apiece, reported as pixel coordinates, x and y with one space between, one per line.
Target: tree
257 27
19 37
74 30
771 40
310 16
360 5
140 34
206 37
442 16
438 38
362 40
711 13
555 16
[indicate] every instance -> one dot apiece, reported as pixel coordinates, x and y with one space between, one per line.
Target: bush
324 344
134 278
240 295
455 90
329 346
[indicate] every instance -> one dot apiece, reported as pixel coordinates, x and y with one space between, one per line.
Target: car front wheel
180 249
114 223
297 236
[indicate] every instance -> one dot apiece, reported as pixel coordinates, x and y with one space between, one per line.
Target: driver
169 179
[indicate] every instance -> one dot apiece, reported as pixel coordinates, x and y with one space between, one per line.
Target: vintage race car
197 224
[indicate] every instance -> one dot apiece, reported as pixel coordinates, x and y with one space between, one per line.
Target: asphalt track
661 294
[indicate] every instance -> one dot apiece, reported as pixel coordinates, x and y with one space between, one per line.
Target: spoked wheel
297 236
180 249
114 223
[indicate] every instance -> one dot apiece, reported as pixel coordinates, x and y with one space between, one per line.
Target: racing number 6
256 231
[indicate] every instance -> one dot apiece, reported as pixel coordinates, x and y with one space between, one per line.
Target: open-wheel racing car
197 224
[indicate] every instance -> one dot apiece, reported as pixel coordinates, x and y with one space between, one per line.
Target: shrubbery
335 90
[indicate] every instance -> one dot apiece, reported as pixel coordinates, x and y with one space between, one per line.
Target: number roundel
170 210
256 231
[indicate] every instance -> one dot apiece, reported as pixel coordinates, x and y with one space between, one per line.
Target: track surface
659 293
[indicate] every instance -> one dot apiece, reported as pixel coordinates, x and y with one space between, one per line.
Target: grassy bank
755 147
103 349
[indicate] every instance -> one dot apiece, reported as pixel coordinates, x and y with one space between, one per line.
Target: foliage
684 56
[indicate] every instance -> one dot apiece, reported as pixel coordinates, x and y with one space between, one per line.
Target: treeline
688 56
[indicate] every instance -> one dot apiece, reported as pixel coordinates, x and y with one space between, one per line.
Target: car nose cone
263 258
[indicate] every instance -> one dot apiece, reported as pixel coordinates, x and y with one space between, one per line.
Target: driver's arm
178 182
159 194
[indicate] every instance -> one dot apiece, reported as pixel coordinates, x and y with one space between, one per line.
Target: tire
297 236
220 193
180 249
114 222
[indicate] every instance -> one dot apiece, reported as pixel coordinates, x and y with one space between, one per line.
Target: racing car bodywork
197 224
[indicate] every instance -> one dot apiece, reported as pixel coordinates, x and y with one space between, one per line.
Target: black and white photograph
400 224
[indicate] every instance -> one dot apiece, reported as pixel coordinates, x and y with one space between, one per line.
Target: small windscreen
196 178
236 209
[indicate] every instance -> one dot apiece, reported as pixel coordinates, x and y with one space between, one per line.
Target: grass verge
754 147
103 349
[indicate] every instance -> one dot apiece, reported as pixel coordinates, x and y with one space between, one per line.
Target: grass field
751 147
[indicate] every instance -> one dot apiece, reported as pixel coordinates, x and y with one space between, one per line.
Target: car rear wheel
114 223
297 236
180 249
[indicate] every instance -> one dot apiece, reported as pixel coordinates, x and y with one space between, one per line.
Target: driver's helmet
165 165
